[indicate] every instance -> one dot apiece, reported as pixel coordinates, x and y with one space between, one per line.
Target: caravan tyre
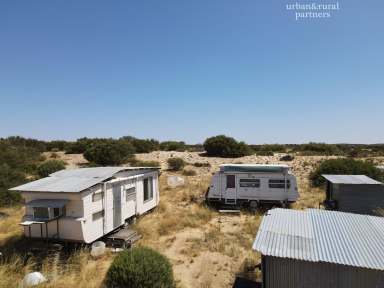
253 205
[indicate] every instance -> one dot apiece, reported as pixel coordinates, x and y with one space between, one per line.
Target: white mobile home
252 184
84 204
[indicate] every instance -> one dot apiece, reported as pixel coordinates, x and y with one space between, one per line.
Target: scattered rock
33 279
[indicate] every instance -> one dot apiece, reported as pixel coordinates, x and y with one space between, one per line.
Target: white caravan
252 185
82 205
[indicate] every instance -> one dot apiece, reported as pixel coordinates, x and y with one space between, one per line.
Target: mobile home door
116 190
230 188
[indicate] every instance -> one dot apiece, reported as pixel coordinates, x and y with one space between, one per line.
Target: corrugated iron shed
350 179
74 180
323 236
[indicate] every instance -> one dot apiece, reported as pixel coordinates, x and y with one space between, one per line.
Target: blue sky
187 70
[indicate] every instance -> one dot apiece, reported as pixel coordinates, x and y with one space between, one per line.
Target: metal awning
48 203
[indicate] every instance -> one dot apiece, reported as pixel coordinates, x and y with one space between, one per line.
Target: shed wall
361 199
290 273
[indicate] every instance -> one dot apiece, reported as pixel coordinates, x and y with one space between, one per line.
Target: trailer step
123 238
229 211
230 201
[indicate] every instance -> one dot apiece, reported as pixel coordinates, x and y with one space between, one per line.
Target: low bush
189 172
173 146
223 146
287 158
319 149
49 167
140 267
200 164
142 145
264 153
9 178
109 152
346 166
175 164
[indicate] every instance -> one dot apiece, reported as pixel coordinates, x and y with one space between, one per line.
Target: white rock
174 181
33 279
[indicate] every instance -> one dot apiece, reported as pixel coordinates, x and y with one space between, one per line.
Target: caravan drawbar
252 185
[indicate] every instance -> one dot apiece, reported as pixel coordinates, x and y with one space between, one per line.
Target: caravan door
116 192
131 199
230 189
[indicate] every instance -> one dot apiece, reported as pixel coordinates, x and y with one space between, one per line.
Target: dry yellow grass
9 225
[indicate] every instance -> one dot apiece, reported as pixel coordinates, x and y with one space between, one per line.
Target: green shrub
140 268
346 166
279 148
223 146
173 146
200 164
110 152
287 158
264 153
9 178
145 145
319 149
189 172
175 164
49 167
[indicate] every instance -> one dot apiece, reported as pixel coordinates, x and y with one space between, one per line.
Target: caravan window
254 183
47 213
278 183
231 181
97 196
148 188
41 212
130 193
97 215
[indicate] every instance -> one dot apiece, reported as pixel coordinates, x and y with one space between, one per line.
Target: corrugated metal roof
350 179
74 180
323 236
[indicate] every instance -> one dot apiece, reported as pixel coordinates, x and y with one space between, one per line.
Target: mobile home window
279 183
254 183
231 181
97 215
41 212
148 188
130 193
97 196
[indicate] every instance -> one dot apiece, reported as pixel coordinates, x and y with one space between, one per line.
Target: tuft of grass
189 172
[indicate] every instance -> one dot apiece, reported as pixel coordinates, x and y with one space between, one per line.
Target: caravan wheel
253 205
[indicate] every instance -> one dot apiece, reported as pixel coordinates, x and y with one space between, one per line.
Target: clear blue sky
187 70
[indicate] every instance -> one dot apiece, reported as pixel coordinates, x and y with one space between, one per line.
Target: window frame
130 193
279 184
97 215
148 189
99 195
45 218
232 181
51 212
244 181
